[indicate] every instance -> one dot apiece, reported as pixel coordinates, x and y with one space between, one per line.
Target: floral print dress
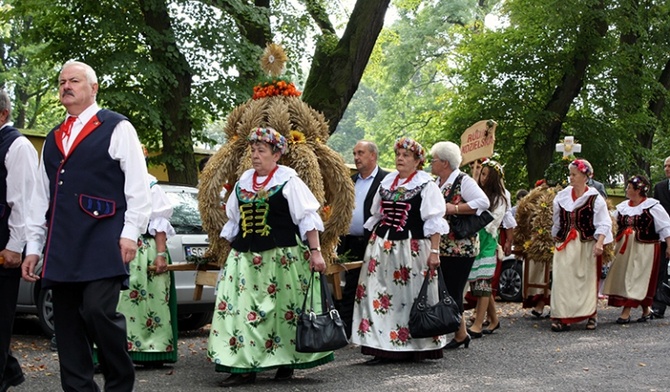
150 303
260 293
393 271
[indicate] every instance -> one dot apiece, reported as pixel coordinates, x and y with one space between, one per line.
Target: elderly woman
406 225
641 223
581 227
271 213
464 196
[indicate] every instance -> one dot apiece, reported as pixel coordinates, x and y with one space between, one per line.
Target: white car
190 242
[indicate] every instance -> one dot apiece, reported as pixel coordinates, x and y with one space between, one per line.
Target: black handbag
468 225
463 226
427 321
319 332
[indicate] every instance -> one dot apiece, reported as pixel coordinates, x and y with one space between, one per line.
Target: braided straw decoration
330 184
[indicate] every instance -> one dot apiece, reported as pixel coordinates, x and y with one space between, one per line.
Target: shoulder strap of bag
307 294
458 180
327 304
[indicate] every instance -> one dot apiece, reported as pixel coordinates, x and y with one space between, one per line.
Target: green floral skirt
259 297
150 307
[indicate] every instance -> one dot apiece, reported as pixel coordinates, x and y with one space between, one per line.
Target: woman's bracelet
161 254
456 205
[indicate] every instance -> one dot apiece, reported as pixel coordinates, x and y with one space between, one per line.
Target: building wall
158 171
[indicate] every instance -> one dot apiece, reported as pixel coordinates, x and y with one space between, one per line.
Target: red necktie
66 128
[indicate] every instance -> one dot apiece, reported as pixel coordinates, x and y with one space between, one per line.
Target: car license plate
197 251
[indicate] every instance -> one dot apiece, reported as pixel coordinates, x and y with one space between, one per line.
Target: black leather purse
468 225
463 226
319 332
427 321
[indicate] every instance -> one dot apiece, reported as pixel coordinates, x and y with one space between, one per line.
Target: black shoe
489 331
284 373
536 313
656 314
376 361
238 379
12 382
623 320
456 344
645 318
474 335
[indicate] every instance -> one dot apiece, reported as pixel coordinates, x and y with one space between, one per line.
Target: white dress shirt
124 147
21 164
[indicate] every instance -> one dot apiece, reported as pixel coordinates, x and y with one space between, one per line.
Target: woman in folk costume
641 223
273 227
150 303
461 196
481 274
406 225
581 227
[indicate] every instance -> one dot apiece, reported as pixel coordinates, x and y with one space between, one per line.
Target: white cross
568 147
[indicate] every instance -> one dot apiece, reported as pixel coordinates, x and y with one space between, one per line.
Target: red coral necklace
258 186
395 182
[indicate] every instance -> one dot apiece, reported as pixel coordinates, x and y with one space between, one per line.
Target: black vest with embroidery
401 214
643 224
265 222
581 219
450 246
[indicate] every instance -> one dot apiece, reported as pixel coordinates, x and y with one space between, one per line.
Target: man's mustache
67 92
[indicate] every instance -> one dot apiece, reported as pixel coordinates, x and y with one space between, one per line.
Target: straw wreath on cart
276 103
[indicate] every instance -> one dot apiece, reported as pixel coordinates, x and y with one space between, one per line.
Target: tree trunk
177 140
338 68
540 144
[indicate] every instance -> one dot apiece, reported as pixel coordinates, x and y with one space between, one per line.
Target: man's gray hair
449 152
666 160
91 77
372 147
5 103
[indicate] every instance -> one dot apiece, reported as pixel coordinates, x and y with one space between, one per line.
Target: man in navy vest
662 194
92 189
18 173
366 183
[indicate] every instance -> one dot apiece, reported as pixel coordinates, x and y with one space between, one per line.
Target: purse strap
443 293
327 304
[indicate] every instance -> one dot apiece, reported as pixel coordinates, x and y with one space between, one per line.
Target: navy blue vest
87 207
7 136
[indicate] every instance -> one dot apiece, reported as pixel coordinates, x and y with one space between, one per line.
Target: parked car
190 241
510 286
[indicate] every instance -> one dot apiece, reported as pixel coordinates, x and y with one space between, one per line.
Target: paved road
524 356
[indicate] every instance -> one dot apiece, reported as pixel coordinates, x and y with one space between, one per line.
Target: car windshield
185 215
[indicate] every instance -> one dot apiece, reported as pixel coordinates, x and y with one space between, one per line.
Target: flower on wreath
413 146
296 137
583 166
275 87
269 136
326 212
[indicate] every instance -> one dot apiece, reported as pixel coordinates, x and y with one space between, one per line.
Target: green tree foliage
175 66
585 68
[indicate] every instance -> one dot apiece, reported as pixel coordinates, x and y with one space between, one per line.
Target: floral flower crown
494 165
582 166
269 136
639 183
411 145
